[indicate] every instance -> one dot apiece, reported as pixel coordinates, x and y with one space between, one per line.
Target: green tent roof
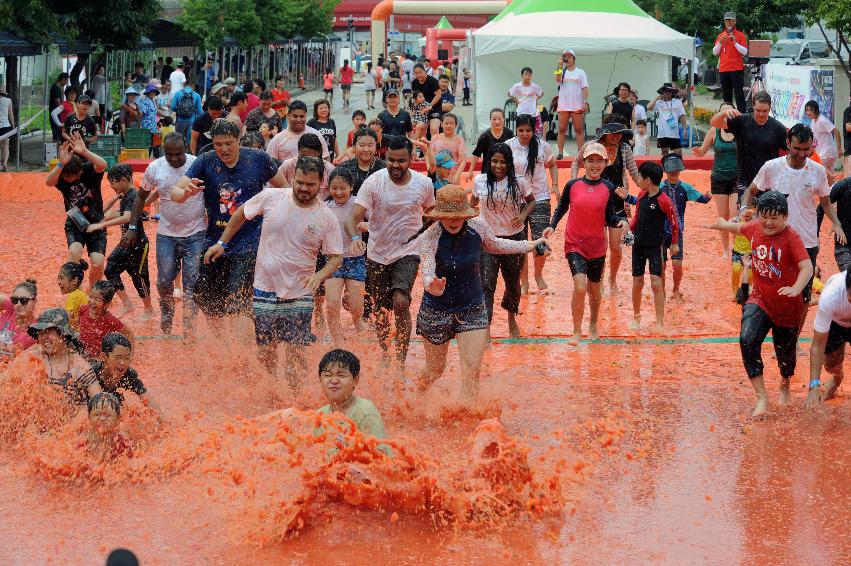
519 7
443 23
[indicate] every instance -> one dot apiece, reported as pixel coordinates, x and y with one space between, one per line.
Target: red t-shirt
585 232
252 101
774 265
92 330
282 94
730 59
13 340
347 75
350 139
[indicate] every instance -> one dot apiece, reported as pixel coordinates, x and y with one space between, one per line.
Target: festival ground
656 456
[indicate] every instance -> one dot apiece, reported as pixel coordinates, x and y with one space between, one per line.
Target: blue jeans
185 128
173 254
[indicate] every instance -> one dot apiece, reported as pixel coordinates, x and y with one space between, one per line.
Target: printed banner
791 86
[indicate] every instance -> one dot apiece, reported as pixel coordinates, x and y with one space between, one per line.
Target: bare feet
542 285
785 397
575 339
660 328
147 314
761 407
635 324
613 288
524 289
177 294
677 296
593 333
124 310
514 328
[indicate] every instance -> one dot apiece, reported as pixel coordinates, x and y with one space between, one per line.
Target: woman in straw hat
453 304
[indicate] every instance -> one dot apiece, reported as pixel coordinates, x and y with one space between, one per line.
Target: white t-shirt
407 73
342 213
285 144
825 143
176 220
528 96
369 80
178 79
570 90
5 104
802 188
639 113
499 211
288 169
833 305
395 213
538 180
668 114
290 241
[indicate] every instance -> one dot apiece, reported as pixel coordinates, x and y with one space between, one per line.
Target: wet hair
420 66
510 175
310 165
812 105
801 132
357 113
105 289
641 122
316 106
74 166
166 121
343 174
262 84
215 103
529 120
174 138
652 171
443 78
298 105
252 140
222 127
69 89
265 95
247 86
762 96
342 358
29 285
310 141
617 89
525 69
400 142
364 131
90 93
450 115
103 398
376 122
496 109
236 98
848 279
113 339
771 202
120 171
74 270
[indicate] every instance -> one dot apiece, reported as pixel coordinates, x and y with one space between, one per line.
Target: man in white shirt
803 181
285 144
831 330
177 78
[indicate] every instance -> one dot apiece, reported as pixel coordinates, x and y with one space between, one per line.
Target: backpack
186 106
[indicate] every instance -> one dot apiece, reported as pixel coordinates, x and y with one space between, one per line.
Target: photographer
731 47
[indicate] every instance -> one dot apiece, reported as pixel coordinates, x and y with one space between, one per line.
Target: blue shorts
666 247
439 326
353 268
282 320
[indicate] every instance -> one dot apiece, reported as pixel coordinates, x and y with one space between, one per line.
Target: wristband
59 165
132 227
222 244
355 238
815 384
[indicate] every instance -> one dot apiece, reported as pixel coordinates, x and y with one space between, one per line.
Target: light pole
350 23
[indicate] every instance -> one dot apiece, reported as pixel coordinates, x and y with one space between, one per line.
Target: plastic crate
133 154
110 160
106 144
51 164
137 138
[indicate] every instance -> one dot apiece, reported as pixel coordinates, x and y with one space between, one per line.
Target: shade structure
13 46
614 41
443 23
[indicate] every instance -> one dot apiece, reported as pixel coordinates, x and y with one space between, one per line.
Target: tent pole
18 118
44 124
691 94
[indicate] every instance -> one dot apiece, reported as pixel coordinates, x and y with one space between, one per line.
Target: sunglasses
21 300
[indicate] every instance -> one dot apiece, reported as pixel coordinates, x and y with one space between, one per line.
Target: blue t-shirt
446 97
680 194
457 259
226 189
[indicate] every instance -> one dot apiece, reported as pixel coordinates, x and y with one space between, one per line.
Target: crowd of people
264 214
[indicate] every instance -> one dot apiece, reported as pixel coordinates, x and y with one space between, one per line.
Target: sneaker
177 294
560 156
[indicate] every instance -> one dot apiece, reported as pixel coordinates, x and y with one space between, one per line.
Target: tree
835 15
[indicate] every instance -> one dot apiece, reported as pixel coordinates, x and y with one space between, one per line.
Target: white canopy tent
614 41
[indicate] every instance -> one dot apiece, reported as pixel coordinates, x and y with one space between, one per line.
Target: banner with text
791 86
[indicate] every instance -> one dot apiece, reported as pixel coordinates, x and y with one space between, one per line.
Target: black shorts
224 287
345 87
434 115
666 247
591 268
328 90
837 336
382 280
842 254
439 326
807 293
669 143
755 326
642 255
94 242
722 187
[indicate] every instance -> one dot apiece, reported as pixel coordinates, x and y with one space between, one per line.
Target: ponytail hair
29 285
529 120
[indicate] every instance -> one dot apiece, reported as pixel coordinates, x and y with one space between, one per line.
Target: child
282 108
70 279
781 270
166 126
113 371
352 274
103 439
419 114
96 321
439 167
648 225
680 193
378 127
740 261
466 101
640 138
358 120
328 85
132 260
339 373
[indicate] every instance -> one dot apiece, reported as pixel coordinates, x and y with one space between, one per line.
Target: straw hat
452 203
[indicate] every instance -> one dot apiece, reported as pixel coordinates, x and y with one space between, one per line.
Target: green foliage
836 15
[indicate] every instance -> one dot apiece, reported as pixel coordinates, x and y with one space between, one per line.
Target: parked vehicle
798 51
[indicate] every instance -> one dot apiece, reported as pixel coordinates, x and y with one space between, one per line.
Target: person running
825 137
228 176
803 181
395 198
840 195
497 133
79 182
180 231
532 158
322 123
620 166
453 304
671 116
506 201
526 95
347 77
328 85
285 144
724 172
430 88
395 121
365 161
572 99
831 330
263 115
595 205
648 225
309 145
17 313
370 83
296 227
781 270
